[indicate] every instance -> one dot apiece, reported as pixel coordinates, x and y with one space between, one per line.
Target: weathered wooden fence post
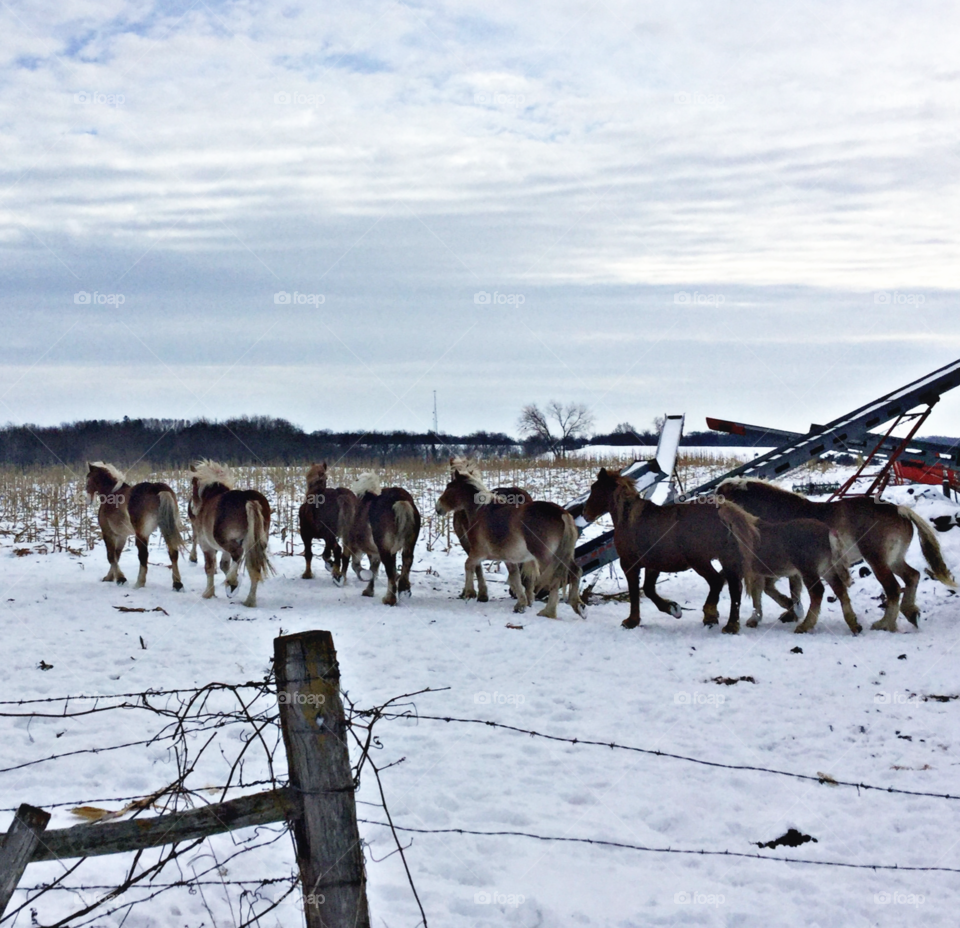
325 824
18 846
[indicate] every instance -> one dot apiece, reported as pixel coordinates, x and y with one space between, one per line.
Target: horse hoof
121 581
365 575
468 594
881 626
367 593
139 586
729 629
232 587
752 623
389 600
519 608
629 623
802 629
178 586
912 616
328 566
675 610
338 580
307 575
857 630
710 620
482 598
406 594
249 604
788 616
208 594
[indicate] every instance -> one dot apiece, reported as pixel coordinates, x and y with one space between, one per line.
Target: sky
326 212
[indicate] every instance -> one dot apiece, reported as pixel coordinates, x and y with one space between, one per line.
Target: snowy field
852 709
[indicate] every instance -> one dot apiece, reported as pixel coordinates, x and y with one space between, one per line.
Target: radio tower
435 430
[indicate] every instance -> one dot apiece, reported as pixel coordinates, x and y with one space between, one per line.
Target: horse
667 538
134 510
875 531
327 514
804 548
540 536
508 496
386 522
236 522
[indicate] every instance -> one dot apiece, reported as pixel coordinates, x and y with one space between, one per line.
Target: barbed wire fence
240 726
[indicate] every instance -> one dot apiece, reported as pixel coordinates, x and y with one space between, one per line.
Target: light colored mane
210 472
367 483
482 495
744 483
111 472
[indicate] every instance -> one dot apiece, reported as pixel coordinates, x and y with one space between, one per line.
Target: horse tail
838 560
745 530
563 569
168 518
930 547
256 541
405 517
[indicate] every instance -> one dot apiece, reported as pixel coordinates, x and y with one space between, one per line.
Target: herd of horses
756 531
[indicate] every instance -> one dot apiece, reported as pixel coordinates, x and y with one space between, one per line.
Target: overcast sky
746 211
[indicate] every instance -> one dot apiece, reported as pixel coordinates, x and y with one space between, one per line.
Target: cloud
400 158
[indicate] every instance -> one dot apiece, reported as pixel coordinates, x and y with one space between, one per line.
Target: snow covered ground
853 709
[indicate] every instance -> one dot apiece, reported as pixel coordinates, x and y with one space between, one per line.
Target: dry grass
46 509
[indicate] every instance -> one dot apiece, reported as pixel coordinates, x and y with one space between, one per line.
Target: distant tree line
266 440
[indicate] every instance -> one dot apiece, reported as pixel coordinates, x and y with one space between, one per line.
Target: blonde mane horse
134 510
236 522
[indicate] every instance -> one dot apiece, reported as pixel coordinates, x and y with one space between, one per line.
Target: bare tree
555 425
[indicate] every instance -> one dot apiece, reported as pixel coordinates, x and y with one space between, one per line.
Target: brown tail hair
745 530
930 547
564 570
168 519
255 542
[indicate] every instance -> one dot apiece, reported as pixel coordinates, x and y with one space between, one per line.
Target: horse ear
603 473
324 465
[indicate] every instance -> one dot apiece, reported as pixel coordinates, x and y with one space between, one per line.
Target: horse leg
307 540
664 605
210 566
530 574
515 580
193 548
793 605
142 553
374 567
251 599
482 596
470 566
814 587
389 561
174 553
734 580
632 573
117 572
711 614
111 559
756 617
550 610
225 562
840 589
235 549
891 590
911 580
406 565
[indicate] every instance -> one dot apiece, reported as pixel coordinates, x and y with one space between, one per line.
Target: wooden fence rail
318 805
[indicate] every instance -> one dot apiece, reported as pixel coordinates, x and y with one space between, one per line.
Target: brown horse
326 514
386 522
804 548
875 531
192 516
667 538
236 522
507 496
541 536
138 511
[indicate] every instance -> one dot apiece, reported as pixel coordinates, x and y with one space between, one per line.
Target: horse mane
464 466
472 476
745 483
112 472
207 473
367 483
